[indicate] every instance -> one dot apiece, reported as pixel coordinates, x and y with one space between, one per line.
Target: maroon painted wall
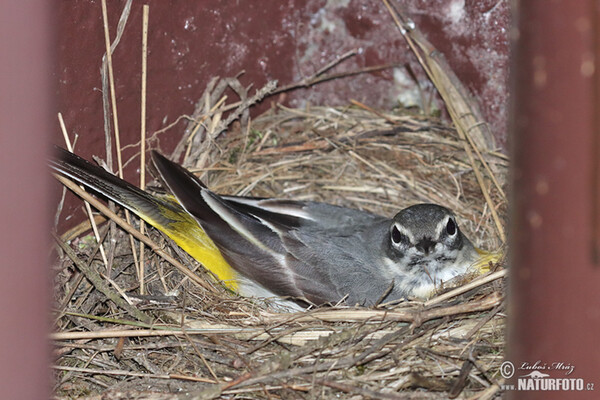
192 41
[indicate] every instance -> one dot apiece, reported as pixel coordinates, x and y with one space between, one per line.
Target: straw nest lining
211 343
352 157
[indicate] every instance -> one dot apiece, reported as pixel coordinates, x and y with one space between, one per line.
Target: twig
88 210
119 372
113 100
465 288
94 277
461 381
111 80
200 144
77 279
105 85
146 10
359 390
419 316
371 110
123 224
484 321
336 61
155 331
316 79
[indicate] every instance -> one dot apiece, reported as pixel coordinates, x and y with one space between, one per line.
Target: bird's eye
397 236
451 227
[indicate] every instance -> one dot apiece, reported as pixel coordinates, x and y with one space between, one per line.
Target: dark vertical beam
555 283
25 75
596 143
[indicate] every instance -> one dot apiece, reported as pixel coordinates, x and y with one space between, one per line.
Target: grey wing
304 213
334 252
249 246
352 261
283 245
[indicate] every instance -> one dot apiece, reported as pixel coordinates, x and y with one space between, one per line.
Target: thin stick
88 209
491 174
201 356
335 62
111 80
409 315
128 228
484 188
199 123
371 110
146 11
118 333
465 288
316 79
118 289
119 372
98 282
113 101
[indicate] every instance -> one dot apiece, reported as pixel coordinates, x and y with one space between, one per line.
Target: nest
174 334
208 341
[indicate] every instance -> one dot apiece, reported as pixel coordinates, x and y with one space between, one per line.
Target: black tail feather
110 186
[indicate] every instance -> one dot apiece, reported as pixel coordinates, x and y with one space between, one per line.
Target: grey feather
322 253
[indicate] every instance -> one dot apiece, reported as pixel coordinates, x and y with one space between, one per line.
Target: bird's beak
486 258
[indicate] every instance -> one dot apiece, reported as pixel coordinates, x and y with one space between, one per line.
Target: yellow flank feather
189 235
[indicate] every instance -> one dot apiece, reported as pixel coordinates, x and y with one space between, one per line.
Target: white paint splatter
456 11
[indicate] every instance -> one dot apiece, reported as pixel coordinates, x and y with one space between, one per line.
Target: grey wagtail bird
304 251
